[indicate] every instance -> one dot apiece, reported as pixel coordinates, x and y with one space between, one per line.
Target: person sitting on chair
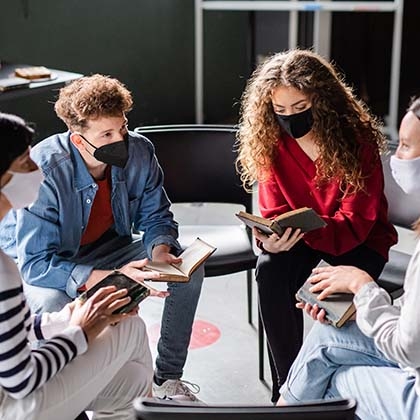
82 362
102 182
309 142
376 358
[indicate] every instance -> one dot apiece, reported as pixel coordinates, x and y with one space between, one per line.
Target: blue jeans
178 313
344 363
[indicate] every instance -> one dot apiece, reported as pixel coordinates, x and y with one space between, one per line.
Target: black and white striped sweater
23 369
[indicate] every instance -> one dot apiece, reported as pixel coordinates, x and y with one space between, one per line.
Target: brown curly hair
92 97
341 122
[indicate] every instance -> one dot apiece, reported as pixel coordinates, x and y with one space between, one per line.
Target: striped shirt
23 369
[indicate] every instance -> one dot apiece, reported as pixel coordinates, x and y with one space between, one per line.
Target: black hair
15 137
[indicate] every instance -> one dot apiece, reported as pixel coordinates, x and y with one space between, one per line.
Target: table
60 78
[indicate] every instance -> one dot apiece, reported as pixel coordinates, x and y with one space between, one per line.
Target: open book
339 307
192 258
304 218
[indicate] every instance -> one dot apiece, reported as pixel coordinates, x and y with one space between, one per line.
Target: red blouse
357 219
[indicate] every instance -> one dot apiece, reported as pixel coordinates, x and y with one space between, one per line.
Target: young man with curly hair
102 182
309 142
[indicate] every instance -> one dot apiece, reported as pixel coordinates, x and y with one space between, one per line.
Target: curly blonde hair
90 98
341 122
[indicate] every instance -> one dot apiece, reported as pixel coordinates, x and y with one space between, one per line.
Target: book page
194 255
165 268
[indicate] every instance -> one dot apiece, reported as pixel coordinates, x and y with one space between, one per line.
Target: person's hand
338 279
162 253
275 243
96 313
314 312
135 270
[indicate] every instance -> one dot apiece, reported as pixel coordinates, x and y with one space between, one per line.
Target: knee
135 328
198 277
43 299
192 287
269 267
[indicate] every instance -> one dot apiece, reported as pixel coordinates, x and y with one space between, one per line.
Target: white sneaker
177 390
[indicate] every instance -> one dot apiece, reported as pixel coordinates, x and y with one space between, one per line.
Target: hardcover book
339 307
10 83
304 218
136 291
192 258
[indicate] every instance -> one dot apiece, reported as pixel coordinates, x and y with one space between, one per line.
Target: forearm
392 328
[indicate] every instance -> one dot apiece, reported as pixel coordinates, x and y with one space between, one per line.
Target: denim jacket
47 235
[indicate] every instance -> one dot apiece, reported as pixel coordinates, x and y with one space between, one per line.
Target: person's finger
314 312
105 300
139 264
159 293
117 304
308 308
259 235
101 293
148 275
324 269
321 317
326 292
175 260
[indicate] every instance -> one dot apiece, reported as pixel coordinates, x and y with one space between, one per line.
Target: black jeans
279 276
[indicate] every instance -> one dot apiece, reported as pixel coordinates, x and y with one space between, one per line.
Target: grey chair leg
260 348
249 295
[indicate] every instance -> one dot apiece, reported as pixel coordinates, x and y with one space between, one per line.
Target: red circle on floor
203 334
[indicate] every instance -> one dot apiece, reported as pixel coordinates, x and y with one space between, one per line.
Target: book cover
192 257
304 218
338 307
136 291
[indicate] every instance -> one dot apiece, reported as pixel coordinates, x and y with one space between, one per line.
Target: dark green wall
147 44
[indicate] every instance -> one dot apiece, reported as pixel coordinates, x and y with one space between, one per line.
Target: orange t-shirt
101 217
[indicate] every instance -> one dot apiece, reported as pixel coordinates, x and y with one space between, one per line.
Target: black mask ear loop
87 141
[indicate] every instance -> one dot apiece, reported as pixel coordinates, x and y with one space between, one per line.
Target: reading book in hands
305 219
192 258
136 291
339 307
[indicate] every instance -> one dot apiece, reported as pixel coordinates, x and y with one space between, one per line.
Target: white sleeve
396 331
47 325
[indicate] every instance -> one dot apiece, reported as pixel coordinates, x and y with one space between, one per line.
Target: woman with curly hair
308 142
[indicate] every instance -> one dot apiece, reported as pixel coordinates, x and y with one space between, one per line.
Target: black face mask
112 154
297 125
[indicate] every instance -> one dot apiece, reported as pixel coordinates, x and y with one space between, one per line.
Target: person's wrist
358 283
160 249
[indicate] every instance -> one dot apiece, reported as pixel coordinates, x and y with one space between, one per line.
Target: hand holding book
191 258
323 296
305 219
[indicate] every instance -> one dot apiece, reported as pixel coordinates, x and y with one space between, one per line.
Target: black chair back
337 409
198 163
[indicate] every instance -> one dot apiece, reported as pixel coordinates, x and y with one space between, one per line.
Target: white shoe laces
181 387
